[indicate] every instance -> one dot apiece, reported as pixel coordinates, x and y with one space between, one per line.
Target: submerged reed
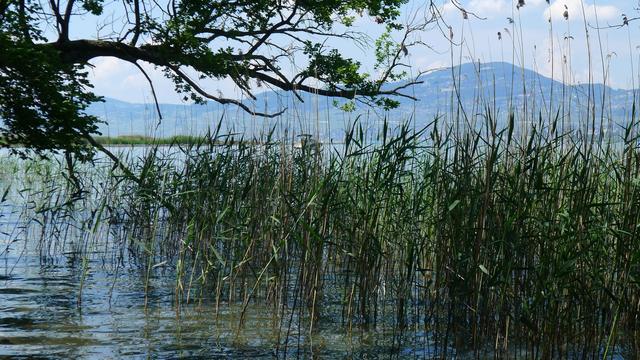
484 233
485 240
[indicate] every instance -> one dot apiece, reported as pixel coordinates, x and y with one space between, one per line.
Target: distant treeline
148 140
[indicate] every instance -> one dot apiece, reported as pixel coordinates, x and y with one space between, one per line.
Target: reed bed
483 234
484 241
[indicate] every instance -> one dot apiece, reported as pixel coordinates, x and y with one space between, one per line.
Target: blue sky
557 48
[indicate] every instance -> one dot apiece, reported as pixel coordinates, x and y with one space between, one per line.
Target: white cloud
535 2
449 8
487 7
121 80
575 11
106 68
482 8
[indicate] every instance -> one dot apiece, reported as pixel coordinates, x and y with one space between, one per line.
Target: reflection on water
43 314
57 306
103 307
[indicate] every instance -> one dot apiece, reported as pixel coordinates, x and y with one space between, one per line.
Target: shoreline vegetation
142 140
484 240
505 232
487 233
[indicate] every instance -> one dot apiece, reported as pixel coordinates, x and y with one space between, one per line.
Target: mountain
496 85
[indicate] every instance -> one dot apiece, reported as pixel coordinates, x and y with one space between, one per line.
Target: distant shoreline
141 140
148 140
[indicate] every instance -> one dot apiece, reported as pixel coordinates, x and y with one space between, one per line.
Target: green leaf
484 269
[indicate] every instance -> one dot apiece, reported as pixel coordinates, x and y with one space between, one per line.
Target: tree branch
342 93
137 31
81 51
272 30
56 13
64 35
153 90
221 100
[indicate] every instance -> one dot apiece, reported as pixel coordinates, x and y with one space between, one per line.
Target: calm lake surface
64 309
55 303
43 315
62 305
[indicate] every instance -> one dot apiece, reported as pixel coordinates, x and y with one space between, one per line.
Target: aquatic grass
514 242
490 232
484 240
147 140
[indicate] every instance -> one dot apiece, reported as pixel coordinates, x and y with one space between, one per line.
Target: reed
490 232
480 240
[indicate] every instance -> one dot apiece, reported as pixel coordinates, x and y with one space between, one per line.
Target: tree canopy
44 89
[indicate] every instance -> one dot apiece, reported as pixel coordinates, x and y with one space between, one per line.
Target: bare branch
625 22
64 36
342 93
137 31
221 100
153 90
272 30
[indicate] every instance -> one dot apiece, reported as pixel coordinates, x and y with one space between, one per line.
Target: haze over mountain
499 86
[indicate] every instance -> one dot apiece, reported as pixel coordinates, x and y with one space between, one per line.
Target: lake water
64 309
105 306
101 306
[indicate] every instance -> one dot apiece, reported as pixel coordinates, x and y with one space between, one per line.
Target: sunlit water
53 310
65 306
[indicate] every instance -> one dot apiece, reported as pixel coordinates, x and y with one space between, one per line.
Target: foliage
44 87
41 97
